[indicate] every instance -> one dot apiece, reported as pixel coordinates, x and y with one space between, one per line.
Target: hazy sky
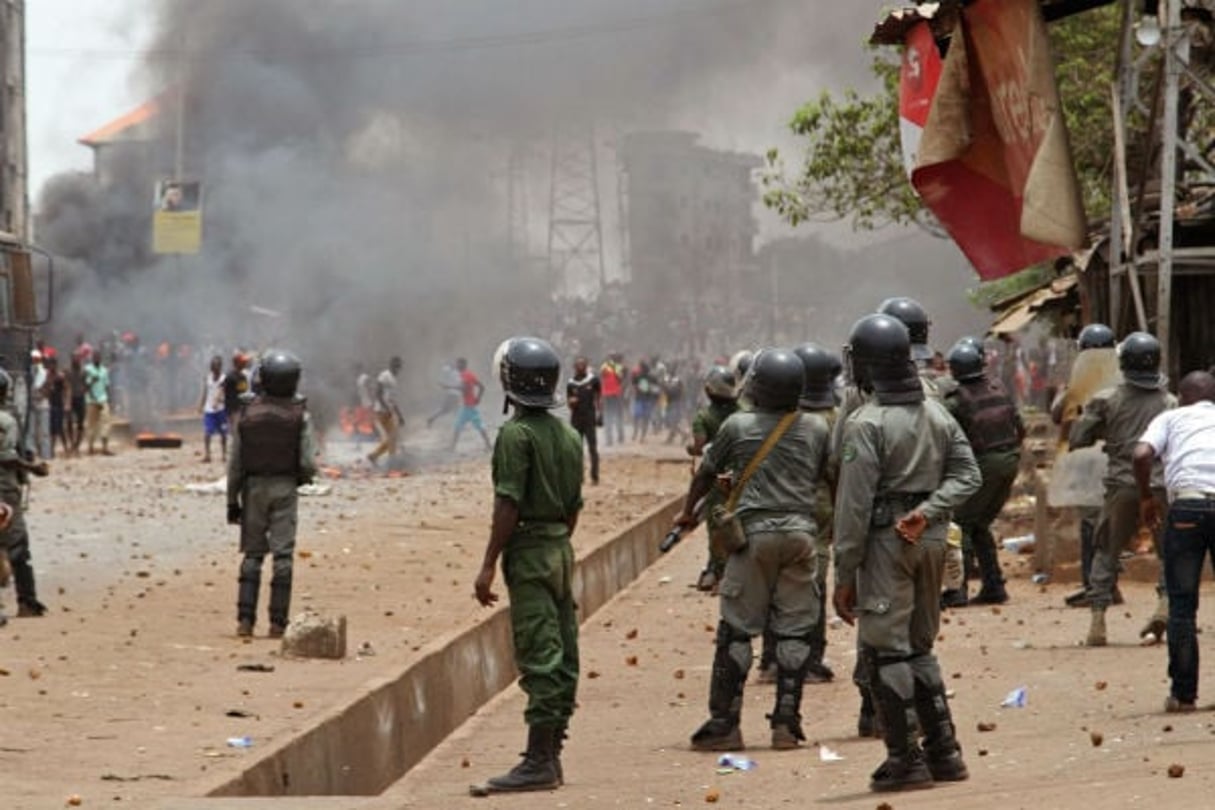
80 56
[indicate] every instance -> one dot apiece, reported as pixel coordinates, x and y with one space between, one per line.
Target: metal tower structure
575 230
14 191
516 206
1162 243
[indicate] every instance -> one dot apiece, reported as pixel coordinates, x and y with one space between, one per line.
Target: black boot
559 737
868 723
904 768
280 596
538 769
721 732
816 670
941 747
992 592
250 585
27 593
786 718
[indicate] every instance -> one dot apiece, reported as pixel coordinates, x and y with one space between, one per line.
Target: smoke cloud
354 153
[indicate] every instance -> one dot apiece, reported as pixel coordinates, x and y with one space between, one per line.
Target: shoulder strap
770 442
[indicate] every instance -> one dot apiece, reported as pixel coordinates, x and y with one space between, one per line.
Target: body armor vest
987 416
270 436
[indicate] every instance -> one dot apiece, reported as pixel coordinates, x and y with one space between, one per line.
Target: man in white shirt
387 411
42 405
1184 439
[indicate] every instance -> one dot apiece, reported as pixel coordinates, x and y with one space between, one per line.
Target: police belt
903 500
542 521
1192 495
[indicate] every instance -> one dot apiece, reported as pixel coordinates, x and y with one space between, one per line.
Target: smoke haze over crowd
353 156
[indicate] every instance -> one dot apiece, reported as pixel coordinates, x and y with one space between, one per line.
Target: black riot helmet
280 373
971 340
1139 359
720 384
529 369
879 359
822 366
915 318
965 362
775 380
1096 336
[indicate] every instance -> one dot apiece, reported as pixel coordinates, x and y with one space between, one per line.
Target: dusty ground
629 739
124 691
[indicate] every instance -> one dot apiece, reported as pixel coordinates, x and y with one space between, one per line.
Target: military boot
559 737
249 586
992 592
280 596
1096 629
816 670
867 719
537 771
1153 632
941 747
786 718
27 593
905 767
721 732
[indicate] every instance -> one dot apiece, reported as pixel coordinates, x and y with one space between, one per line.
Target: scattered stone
987 726
464 763
631 660
592 675
679 674
1167 729
712 795
310 635
1176 771
632 634
74 800
1100 685
1096 737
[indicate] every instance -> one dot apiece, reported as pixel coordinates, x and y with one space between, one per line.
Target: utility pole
14 163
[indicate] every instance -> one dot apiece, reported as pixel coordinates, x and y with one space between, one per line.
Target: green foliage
992 292
853 170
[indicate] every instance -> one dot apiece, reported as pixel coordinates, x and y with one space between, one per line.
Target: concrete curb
362 748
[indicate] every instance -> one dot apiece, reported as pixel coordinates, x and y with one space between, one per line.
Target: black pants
589 434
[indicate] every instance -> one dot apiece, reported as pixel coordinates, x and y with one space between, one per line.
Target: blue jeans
1188 535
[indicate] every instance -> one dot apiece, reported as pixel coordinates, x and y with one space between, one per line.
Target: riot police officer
1092 337
1120 415
15 468
993 425
773 457
722 391
904 466
537 474
913 315
821 366
273 452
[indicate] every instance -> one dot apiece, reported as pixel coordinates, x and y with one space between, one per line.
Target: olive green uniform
269 519
771 583
705 425
537 464
1120 415
894 460
15 540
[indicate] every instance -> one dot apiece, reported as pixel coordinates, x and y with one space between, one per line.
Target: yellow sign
177 220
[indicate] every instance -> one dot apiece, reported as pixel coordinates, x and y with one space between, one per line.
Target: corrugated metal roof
1016 317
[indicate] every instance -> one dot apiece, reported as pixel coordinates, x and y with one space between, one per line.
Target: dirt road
1093 733
130 688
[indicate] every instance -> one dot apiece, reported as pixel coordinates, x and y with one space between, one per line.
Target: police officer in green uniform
537 474
15 468
721 390
913 315
769 582
822 368
1120 416
904 466
273 452
993 425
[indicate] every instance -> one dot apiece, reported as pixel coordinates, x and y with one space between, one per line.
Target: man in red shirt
611 380
471 390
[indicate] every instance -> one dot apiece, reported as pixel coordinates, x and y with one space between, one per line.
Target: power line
417 47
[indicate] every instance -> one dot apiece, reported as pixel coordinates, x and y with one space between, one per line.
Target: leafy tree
853 170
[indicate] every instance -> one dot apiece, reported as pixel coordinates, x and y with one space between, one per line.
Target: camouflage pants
544 625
